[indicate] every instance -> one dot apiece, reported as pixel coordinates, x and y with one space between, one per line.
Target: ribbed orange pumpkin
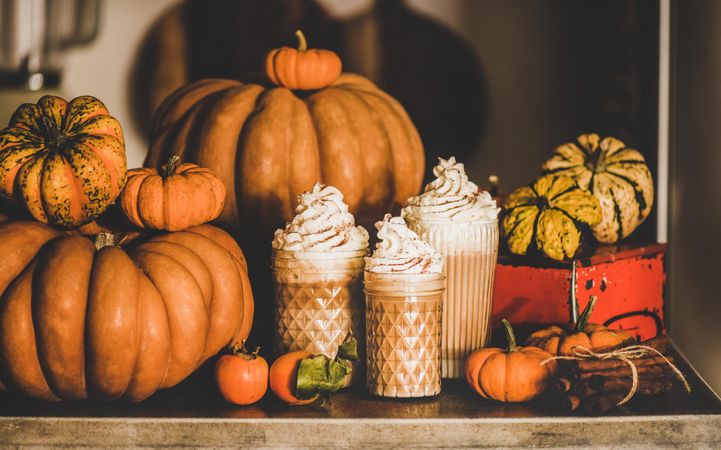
64 162
115 323
268 145
515 375
179 197
302 68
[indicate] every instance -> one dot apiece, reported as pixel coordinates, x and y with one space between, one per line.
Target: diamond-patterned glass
403 337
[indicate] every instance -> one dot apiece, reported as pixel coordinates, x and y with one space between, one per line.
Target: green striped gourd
616 175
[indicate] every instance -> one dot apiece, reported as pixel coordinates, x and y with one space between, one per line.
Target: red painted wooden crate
628 281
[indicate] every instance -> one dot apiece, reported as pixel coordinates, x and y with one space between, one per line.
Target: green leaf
320 374
348 350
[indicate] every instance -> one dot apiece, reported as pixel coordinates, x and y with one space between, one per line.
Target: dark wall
696 160
559 68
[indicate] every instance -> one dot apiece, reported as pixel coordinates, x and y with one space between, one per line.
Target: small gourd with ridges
548 216
616 175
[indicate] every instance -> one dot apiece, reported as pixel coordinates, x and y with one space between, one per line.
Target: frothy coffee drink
404 294
460 221
317 270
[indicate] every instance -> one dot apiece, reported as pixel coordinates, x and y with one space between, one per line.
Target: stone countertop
193 414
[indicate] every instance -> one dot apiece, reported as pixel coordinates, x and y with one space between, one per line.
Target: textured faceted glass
318 300
403 334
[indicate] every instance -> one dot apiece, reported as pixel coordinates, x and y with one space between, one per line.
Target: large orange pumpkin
115 323
63 162
269 144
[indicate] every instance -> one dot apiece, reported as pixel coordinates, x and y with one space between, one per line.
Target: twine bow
626 354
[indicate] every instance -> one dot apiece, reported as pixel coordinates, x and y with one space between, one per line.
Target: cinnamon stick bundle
653 370
590 365
645 386
660 343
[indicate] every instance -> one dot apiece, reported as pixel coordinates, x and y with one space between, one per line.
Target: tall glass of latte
461 222
318 261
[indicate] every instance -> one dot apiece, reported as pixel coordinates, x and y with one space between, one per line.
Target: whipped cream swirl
401 251
322 223
451 197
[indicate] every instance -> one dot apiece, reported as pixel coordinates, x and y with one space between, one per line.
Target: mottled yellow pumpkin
64 162
616 175
548 216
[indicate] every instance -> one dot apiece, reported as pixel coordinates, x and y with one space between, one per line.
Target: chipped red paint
625 279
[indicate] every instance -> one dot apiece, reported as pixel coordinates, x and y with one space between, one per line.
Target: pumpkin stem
240 350
105 240
170 166
512 347
302 43
54 138
586 313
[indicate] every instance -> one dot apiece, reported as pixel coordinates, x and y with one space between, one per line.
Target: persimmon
241 377
284 377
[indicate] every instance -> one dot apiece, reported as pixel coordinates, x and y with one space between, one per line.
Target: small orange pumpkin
302 68
180 197
591 336
515 375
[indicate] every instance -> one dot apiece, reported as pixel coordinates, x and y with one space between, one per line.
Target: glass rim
398 275
325 254
450 221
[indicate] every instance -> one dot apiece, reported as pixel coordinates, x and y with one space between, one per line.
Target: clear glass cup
318 301
403 334
470 251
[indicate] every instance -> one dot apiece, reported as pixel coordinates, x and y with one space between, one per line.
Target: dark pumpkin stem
512 347
105 240
170 166
302 43
240 350
586 313
54 138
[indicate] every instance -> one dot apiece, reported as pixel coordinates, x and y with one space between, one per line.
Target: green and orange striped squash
549 216
616 175
64 162
268 144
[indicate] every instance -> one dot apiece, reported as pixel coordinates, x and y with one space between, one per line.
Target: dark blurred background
498 83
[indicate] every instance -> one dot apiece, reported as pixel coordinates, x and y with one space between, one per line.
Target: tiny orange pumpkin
302 68
181 196
514 375
591 336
